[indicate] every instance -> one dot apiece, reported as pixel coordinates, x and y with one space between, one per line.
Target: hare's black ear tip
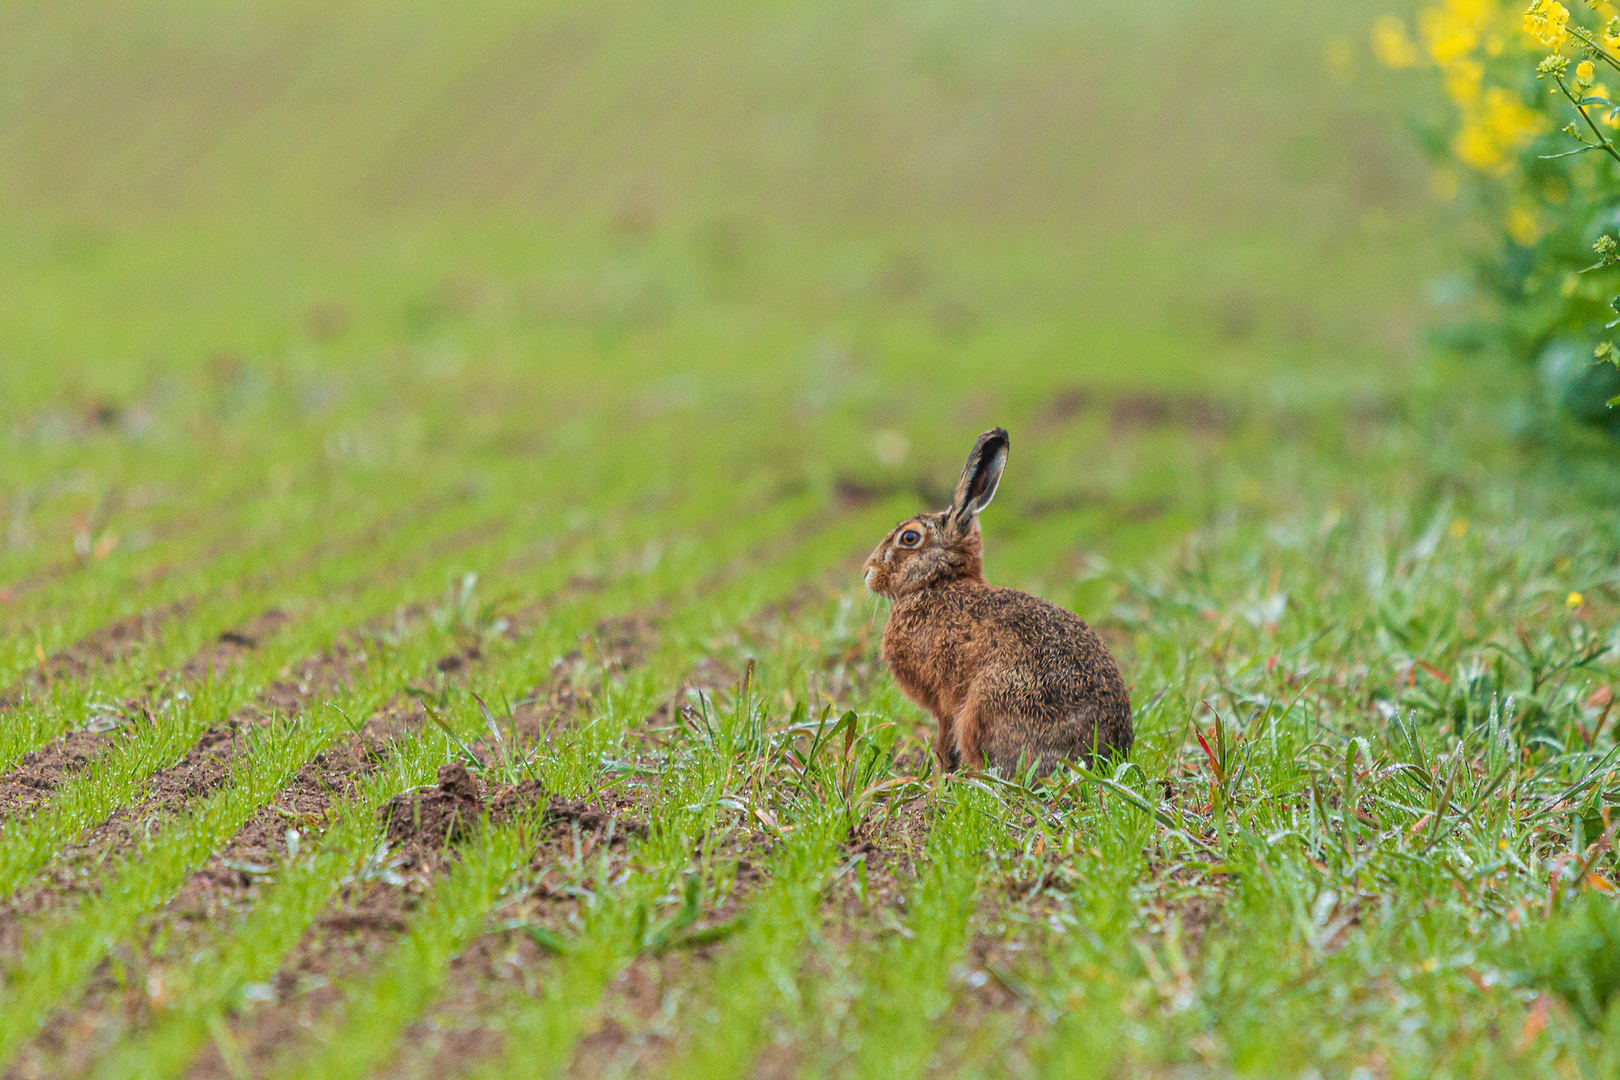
995 437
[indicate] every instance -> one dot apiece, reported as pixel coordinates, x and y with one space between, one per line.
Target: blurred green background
256 248
339 310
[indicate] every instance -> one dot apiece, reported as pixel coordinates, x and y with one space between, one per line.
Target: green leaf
669 934
433 714
552 943
708 935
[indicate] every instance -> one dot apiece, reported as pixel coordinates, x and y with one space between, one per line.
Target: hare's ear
980 476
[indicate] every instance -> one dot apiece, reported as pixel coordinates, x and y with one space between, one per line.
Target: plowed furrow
42 771
364 922
85 801
235 881
508 1010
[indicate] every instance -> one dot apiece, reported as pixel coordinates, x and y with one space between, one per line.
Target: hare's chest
932 662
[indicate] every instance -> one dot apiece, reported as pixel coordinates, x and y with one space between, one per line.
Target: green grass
434 330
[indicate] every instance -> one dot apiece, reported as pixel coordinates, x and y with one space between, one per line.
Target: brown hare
1014 681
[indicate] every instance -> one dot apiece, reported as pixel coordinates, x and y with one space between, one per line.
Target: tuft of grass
1576 954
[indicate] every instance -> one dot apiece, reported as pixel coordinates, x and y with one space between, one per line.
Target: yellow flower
1498 128
1391 45
1463 78
1448 37
1478 15
1523 225
1547 22
1473 146
1574 599
1450 31
1512 121
1584 73
1459 528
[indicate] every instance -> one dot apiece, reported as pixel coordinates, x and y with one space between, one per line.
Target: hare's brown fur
1012 680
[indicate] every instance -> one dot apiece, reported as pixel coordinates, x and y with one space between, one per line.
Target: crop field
437 452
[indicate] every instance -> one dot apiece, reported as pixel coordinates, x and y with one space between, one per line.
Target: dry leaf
1534 1022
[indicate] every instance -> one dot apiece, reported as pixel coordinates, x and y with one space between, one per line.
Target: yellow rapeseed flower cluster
1485 53
1391 45
1495 129
1457 36
1547 22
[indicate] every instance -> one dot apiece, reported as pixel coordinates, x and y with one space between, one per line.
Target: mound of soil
443 815
592 816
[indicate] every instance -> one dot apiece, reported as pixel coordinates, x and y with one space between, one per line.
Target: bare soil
441 815
40 772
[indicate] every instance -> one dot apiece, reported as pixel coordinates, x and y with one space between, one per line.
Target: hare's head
931 549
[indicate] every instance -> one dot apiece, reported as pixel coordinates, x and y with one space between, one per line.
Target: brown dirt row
643 1009
481 979
505 969
354 932
127 992
40 772
225 884
482 983
632 1030
231 877
642 1016
638 1022
116 640
127 989
115 1001
650 1012
366 919
204 769
646 1010
207 764
75 871
102 647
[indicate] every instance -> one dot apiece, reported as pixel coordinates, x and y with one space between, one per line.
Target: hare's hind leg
996 730
989 734
1013 754
947 749
971 728
1018 742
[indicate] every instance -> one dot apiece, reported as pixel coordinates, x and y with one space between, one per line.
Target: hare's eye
910 538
